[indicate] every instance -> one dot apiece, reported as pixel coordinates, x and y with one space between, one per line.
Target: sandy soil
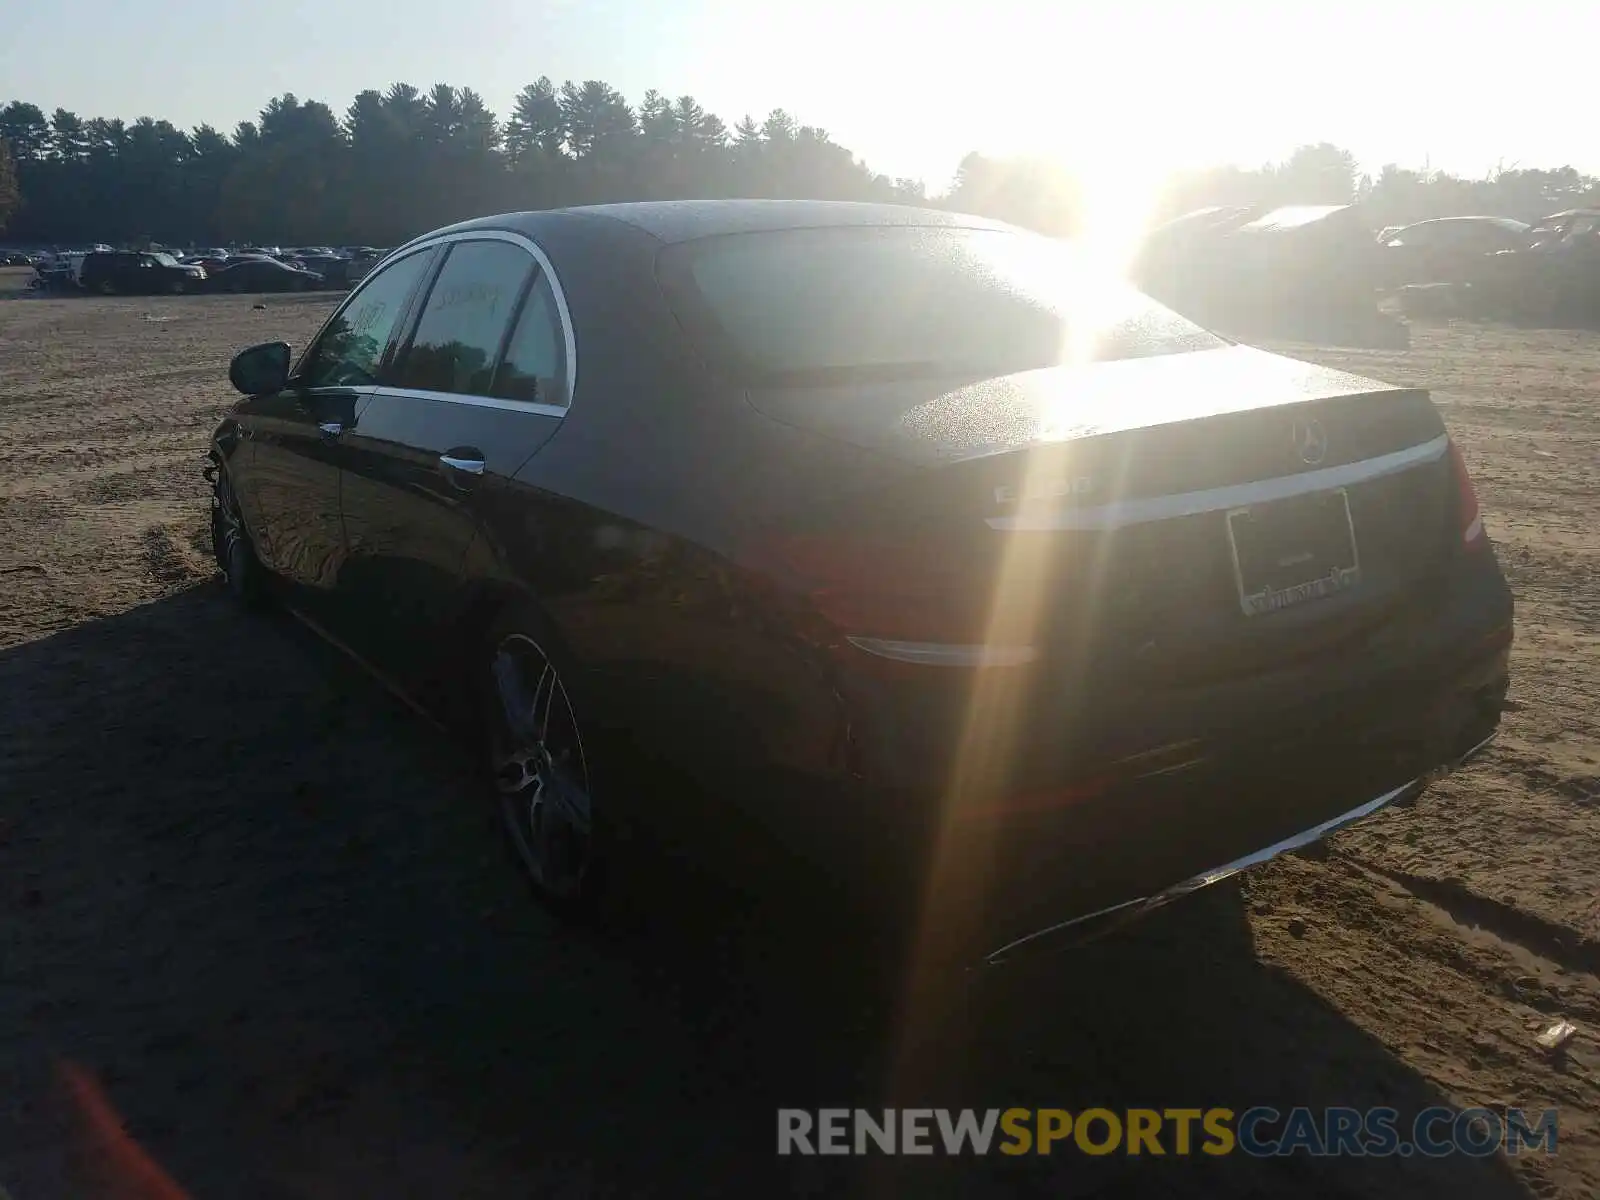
244 901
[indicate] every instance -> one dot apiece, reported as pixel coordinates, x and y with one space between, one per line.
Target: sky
909 87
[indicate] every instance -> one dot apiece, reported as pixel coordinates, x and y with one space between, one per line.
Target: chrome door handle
467 466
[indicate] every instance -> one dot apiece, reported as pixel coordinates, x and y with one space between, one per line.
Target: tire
236 556
177 287
236 286
539 764
107 288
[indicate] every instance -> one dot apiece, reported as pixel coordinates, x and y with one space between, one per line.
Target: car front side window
351 347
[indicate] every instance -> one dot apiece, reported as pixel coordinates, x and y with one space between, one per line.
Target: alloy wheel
230 543
540 773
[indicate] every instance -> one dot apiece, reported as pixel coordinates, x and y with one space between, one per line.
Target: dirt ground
250 917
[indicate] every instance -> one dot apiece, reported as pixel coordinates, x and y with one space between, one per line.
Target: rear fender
479 606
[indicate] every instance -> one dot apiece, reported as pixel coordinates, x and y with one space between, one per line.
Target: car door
290 490
144 274
124 273
472 393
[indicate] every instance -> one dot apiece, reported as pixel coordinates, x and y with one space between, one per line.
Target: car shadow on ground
249 898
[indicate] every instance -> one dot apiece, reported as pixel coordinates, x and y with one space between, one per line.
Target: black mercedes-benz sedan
976 586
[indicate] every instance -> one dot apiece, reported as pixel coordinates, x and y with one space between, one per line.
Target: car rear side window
535 365
465 318
351 347
817 306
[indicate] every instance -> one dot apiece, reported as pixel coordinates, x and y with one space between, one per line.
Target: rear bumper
993 877
1122 801
1048 723
1078 929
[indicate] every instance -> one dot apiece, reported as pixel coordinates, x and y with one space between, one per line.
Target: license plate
1287 552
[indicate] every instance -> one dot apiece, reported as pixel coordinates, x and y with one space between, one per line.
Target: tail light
1469 513
904 601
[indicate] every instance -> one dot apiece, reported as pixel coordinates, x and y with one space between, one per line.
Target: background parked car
264 275
216 261
210 263
1301 272
333 268
1554 279
1571 228
137 272
1446 249
361 261
55 271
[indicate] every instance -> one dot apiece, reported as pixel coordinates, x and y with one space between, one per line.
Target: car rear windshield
844 304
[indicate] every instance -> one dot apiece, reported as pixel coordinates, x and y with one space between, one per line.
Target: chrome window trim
568 337
522 406
946 654
1187 504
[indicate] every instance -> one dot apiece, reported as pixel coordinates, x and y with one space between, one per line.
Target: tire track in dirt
1584 789
1559 944
150 462
51 392
175 558
1464 1003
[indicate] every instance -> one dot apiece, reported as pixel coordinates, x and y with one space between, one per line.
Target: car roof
1504 222
1293 216
683 220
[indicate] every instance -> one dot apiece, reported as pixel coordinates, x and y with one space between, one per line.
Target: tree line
402 161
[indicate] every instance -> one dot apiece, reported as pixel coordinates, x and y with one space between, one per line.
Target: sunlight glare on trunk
964 854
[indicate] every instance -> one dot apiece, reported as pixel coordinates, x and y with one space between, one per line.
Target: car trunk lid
1181 517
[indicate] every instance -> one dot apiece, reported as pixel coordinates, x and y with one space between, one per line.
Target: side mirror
261 369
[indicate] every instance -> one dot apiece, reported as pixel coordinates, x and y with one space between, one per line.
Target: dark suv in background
136 271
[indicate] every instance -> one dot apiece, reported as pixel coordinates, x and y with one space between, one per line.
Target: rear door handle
463 462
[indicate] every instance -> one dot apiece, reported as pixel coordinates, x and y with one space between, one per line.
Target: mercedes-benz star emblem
1311 442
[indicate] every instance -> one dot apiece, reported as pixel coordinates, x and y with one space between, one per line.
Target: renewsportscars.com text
1260 1132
